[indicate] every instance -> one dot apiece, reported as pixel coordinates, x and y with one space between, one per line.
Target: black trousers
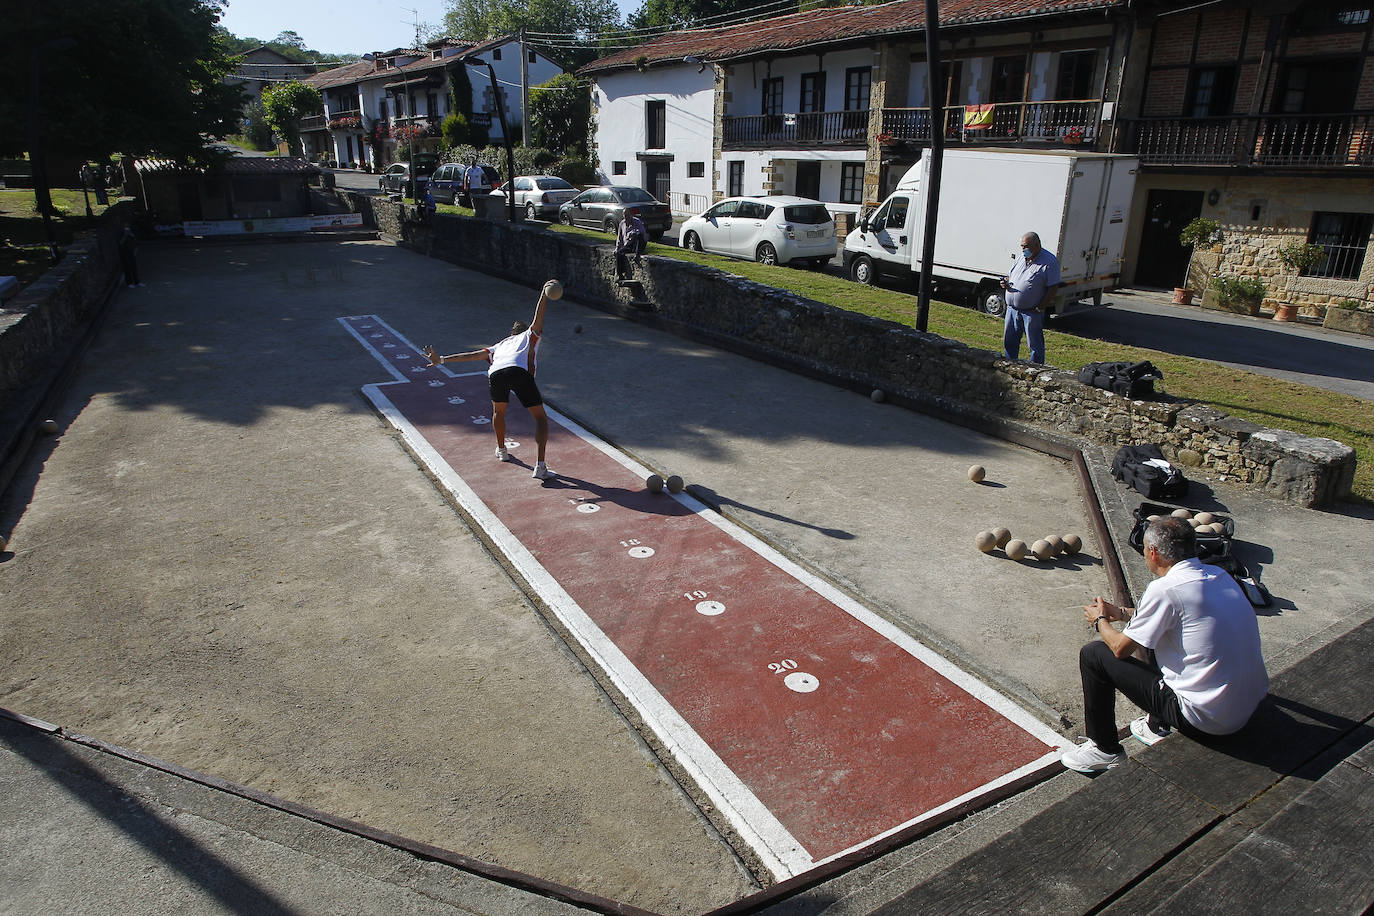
1104 674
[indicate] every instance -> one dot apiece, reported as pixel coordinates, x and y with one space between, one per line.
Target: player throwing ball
512 369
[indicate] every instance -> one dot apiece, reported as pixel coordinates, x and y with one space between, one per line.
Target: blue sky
341 26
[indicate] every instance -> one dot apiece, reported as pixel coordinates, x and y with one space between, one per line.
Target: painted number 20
785 665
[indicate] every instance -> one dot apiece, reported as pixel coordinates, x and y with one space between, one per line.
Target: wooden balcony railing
1067 122
802 129
313 122
1262 141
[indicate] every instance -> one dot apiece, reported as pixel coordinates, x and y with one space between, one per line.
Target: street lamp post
505 132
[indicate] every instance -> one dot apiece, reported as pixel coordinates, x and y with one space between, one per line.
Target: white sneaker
1087 758
502 454
1146 735
541 471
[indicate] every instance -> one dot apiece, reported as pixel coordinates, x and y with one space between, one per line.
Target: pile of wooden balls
1204 523
1045 548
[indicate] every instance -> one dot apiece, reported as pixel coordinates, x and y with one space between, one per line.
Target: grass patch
1259 398
23 240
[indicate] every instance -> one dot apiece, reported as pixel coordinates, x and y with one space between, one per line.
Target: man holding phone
1033 278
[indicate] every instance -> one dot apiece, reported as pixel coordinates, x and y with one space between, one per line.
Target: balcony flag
977 117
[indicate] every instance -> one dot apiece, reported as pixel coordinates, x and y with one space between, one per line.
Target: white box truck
1078 203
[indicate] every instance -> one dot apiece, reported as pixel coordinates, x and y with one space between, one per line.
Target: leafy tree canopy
135 76
581 21
560 115
684 14
285 105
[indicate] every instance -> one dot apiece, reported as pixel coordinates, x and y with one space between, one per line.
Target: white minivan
770 230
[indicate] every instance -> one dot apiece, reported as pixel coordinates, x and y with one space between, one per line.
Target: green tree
286 104
256 130
142 78
291 39
478 20
684 14
560 115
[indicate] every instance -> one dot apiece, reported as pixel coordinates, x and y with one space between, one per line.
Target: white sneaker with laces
502 454
541 471
1146 735
1088 758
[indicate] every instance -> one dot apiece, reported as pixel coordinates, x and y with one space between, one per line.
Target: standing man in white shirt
475 182
1208 677
1033 278
512 370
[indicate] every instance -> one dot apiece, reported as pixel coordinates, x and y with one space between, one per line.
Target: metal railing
1259 141
683 204
1067 122
807 128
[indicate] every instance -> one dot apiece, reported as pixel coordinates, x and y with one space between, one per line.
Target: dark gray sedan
601 208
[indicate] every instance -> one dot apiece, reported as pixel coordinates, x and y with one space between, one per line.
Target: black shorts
514 378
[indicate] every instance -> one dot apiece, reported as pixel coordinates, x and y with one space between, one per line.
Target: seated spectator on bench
1207 675
629 242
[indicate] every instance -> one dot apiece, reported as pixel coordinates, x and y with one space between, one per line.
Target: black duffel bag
1130 380
1145 469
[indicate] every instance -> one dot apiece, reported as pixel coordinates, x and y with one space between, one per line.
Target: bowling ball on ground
1072 544
653 483
985 541
1042 550
977 473
1003 535
1016 549
674 484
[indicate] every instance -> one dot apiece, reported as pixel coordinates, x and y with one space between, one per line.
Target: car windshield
809 214
552 184
635 196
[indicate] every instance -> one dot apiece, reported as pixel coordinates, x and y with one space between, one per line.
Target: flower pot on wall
1285 311
1183 296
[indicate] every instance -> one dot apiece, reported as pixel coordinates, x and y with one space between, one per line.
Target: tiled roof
832 26
365 69
342 76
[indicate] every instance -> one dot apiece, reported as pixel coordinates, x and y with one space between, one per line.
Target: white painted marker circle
457 400
710 608
588 508
511 443
641 553
801 682
435 383
478 421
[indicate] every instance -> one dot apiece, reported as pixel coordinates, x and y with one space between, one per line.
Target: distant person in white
474 182
1208 677
512 369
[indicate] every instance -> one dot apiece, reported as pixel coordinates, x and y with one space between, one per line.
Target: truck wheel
991 300
691 242
766 254
861 271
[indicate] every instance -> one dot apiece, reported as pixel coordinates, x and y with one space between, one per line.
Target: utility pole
934 72
524 96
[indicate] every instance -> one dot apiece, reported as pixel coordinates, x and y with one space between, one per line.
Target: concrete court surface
225 561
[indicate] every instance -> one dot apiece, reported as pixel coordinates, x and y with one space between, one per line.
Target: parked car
601 208
447 182
396 177
539 195
770 230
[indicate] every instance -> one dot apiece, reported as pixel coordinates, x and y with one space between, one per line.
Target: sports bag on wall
1130 380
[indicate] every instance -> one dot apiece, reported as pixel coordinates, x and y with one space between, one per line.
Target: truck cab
883 243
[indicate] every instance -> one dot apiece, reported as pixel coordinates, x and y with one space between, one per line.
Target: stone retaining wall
37 324
866 353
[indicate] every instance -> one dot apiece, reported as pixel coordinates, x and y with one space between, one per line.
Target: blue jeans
1032 324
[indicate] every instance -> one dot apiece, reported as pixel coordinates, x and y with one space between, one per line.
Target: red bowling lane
814 725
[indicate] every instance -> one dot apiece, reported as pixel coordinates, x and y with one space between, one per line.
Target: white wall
746 80
619 105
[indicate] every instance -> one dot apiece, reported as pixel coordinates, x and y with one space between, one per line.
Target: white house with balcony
833 104
372 106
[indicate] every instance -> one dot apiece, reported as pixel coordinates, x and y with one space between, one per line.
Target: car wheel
766 253
992 300
691 242
608 224
565 218
530 212
861 271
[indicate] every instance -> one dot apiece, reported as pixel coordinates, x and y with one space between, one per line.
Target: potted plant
1297 257
1242 295
1195 233
1073 136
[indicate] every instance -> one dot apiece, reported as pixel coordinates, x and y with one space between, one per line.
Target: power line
736 17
